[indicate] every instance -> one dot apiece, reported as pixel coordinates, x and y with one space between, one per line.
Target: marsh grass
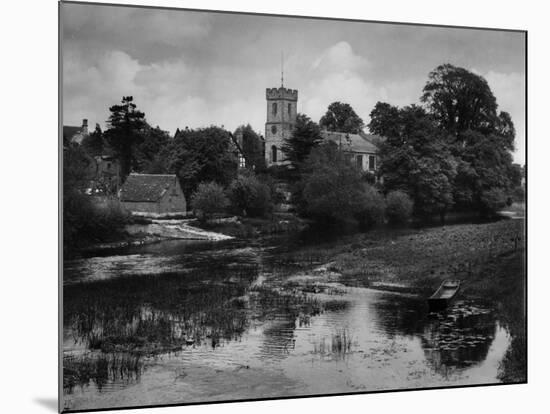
100 369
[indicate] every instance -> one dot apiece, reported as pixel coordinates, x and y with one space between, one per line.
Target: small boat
444 295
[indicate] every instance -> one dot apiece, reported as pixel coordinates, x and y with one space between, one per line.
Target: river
184 322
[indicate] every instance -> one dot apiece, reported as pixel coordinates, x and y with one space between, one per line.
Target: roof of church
146 187
353 142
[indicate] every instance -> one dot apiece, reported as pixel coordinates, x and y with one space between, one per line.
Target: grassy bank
488 258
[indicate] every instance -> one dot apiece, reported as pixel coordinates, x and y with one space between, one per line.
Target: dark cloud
200 68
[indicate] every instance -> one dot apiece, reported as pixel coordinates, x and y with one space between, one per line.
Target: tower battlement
281 93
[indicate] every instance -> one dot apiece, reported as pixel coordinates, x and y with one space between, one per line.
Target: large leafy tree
252 147
482 138
460 100
125 133
341 117
415 157
332 190
305 136
201 155
148 152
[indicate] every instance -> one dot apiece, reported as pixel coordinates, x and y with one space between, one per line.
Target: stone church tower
281 118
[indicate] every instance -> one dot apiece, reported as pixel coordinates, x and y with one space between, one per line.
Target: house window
372 162
273 153
359 161
108 165
274 109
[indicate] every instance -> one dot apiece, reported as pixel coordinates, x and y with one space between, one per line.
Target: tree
208 199
305 136
94 144
201 155
252 147
465 107
460 100
125 133
415 157
148 151
341 117
332 190
249 196
399 207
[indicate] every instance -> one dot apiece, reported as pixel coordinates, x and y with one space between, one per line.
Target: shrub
399 207
85 221
372 208
333 190
208 199
492 200
250 197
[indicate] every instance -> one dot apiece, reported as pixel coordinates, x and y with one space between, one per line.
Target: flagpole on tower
282 70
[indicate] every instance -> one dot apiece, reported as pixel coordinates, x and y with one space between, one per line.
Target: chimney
84 129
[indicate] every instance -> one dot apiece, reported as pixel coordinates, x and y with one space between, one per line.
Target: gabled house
75 133
153 193
360 149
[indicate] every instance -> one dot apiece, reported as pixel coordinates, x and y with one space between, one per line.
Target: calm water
222 321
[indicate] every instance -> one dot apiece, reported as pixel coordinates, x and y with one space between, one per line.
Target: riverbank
488 258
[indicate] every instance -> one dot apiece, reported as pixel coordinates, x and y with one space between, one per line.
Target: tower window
273 129
273 153
274 109
289 109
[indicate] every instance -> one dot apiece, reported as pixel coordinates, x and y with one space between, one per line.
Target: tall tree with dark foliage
415 157
481 137
305 136
125 133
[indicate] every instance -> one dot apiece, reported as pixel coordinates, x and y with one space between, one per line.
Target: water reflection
229 324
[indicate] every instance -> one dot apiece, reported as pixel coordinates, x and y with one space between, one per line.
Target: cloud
340 57
340 74
171 93
125 25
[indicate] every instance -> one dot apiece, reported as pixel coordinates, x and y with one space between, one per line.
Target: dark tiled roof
353 142
146 187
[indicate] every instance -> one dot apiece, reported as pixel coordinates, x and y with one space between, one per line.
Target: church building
360 149
281 119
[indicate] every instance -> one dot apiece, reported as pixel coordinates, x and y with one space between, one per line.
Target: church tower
281 118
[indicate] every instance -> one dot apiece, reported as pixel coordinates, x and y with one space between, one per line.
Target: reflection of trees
397 314
454 340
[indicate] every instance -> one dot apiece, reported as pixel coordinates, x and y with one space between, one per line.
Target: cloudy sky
197 69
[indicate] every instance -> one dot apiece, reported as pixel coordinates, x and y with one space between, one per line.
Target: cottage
75 133
359 148
153 193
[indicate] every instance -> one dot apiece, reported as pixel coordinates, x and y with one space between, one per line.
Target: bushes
333 191
85 221
399 207
208 198
250 197
373 206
